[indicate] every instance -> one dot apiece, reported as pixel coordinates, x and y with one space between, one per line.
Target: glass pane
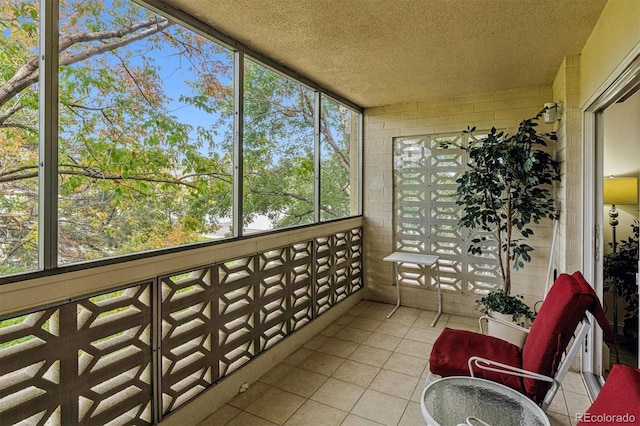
19 123
143 159
278 151
339 161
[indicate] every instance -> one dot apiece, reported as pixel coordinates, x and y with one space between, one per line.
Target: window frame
48 163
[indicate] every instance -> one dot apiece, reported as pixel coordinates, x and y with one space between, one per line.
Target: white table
458 400
417 259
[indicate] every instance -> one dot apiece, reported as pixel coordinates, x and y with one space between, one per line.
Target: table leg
395 279
435 320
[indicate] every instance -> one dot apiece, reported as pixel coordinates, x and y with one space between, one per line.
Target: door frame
622 81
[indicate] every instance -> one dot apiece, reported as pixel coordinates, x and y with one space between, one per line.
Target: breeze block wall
503 110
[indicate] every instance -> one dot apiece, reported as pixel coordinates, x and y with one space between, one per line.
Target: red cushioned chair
618 401
538 368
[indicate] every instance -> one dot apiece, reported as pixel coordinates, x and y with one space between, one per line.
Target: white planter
504 332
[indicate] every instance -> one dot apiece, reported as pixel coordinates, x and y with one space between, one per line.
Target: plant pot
504 332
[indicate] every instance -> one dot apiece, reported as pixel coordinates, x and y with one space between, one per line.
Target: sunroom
205 242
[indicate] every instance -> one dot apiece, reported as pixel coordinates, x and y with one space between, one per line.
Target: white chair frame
556 380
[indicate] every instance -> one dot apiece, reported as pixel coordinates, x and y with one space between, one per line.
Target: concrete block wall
503 109
566 89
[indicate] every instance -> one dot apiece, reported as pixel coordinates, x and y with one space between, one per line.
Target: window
145 137
278 151
141 164
339 160
19 136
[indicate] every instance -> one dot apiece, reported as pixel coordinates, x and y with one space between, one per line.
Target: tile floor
363 369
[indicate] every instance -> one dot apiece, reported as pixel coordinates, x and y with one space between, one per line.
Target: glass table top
473 401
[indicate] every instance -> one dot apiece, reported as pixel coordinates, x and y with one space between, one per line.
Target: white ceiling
382 52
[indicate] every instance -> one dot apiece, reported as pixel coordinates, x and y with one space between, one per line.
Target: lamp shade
621 190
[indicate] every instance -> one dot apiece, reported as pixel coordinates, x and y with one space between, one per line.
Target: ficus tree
506 188
145 115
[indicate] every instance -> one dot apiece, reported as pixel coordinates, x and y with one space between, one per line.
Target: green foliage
137 172
506 188
620 270
503 303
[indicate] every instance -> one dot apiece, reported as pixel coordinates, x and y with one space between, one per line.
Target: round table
473 401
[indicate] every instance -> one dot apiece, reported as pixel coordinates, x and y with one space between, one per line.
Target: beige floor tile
331 330
376 314
573 382
244 399
406 364
558 404
409 311
338 347
412 415
298 356
393 383
316 341
345 319
338 394
414 348
457 321
380 407
425 335
576 403
382 341
353 420
392 329
276 374
426 318
558 420
301 382
356 372
322 363
247 419
417 392
364 323
351 334
314 413
403 318
275 405
221 417
369 355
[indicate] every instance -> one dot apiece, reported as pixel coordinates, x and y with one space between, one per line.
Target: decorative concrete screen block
88 361
338 267
134 355
426 215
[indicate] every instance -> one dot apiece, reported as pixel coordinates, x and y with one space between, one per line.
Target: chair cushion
453 348
550 333
618 401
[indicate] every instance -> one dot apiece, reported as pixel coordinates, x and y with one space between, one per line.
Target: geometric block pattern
88 361
426 215
92 360
338 268
218 318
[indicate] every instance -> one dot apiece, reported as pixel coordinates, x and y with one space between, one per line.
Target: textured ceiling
381 52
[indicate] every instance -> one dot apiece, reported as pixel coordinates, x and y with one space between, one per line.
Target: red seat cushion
618 401
550 333
453 348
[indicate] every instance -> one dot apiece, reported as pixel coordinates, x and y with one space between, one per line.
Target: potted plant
506 187
619 270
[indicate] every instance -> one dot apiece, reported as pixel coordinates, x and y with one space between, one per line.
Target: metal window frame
48 137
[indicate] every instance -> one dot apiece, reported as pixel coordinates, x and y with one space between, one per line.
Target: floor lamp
618 191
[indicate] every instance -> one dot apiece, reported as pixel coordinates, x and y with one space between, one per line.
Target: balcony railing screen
134 355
